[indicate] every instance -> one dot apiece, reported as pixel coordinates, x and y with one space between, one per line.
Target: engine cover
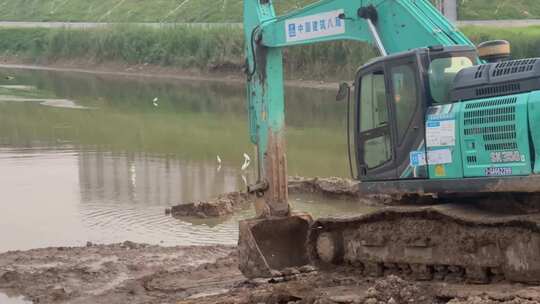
497 79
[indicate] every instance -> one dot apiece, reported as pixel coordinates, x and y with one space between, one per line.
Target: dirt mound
332 186
335 187
224 204
394 290
229 203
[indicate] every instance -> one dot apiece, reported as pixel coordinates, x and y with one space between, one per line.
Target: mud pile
332 186
229 203
224 204
338 188
393 290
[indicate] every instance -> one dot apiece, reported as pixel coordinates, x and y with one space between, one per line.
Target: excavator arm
392 26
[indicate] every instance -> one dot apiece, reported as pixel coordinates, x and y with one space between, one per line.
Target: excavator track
444 242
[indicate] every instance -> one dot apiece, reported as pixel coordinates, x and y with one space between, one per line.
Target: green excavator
434 116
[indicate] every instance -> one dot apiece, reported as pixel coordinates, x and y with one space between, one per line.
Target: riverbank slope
212 51
211 10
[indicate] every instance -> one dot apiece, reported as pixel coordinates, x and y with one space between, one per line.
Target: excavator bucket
267 246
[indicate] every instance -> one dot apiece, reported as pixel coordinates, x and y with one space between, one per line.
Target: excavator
434 116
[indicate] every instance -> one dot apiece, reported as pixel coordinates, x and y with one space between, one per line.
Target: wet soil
226 204
137 273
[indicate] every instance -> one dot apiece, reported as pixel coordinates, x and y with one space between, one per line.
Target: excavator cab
392 96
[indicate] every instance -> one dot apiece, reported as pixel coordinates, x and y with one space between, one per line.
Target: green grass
525 41
205 49
210 10
499 9
180 46
131 10
212 49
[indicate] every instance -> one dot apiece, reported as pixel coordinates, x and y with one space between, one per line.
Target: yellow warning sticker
440 171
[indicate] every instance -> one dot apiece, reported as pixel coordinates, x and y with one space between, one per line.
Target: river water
98 158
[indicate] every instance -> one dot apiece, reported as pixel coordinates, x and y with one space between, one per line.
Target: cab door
374 151
390 113
408 107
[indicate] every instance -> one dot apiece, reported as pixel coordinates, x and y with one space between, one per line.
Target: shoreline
156 72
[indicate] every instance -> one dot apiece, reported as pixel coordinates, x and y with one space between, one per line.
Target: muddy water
5 299
95 158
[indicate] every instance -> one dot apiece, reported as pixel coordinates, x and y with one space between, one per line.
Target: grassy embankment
131 10
211 49
211 10
204 49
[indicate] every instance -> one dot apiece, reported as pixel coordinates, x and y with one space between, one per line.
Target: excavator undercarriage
446 242
465 242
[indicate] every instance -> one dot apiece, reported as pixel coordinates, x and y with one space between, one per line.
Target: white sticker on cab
439 157
315 26
441 133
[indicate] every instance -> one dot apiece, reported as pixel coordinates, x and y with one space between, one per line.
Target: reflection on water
107 177
68 175
64 196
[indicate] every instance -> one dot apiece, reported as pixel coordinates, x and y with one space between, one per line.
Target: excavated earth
137 273
228 203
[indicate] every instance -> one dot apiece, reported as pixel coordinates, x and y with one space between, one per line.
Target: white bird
247 161
154 102
218 163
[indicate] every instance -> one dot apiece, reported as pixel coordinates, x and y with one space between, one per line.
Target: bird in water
154 102
247 161
218 162
9 77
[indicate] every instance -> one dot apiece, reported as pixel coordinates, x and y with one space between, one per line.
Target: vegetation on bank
208 49
525 41
131 10
498 9
212 49
211 10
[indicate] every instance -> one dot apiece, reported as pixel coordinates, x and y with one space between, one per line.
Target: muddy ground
229 203
136 273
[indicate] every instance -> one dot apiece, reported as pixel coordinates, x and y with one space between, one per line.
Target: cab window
405 96
374 112
374 115
442 72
